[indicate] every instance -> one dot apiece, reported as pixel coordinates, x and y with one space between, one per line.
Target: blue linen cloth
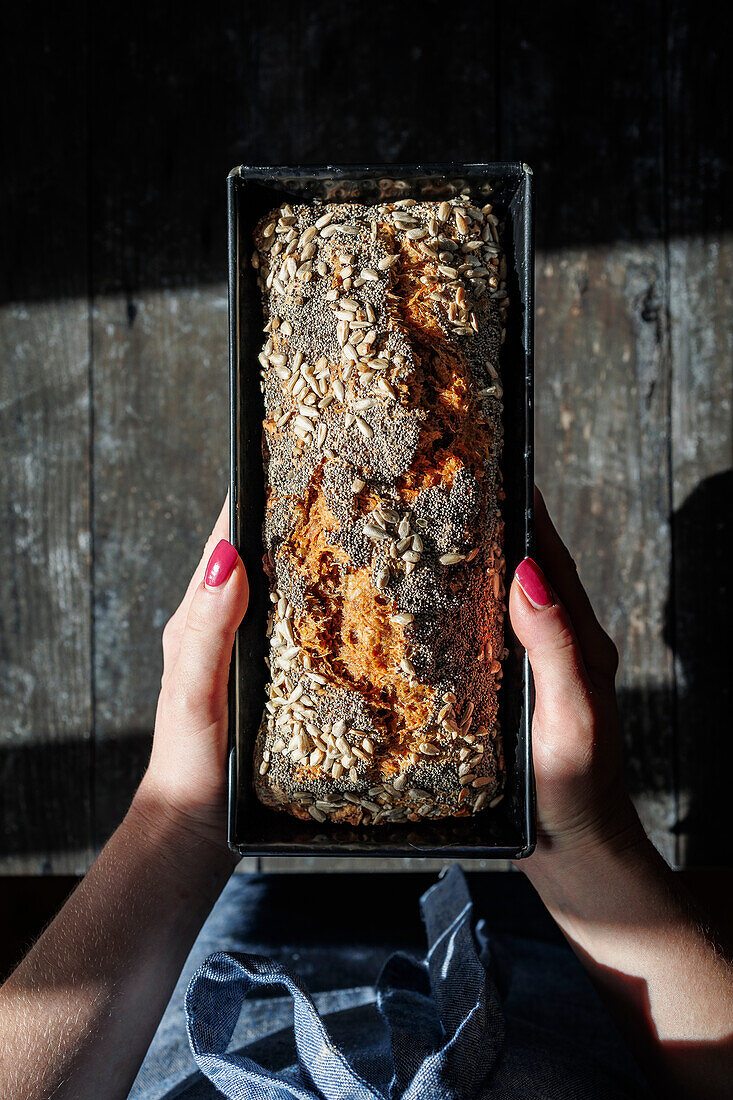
482 1016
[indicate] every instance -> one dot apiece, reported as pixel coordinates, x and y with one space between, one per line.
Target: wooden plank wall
119 129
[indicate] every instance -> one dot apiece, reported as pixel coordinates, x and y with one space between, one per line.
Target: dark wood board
45 582
119 128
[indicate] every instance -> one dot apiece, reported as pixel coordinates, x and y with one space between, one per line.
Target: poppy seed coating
383 532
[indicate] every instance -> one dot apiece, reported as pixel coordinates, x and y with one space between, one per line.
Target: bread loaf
383 530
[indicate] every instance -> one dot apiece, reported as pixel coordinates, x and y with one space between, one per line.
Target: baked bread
383 531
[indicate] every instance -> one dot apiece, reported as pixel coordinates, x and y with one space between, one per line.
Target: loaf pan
508 831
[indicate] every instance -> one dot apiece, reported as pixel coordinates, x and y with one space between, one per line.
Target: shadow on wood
133 119
699 613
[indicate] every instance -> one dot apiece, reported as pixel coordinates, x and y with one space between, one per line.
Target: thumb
198 683
544 628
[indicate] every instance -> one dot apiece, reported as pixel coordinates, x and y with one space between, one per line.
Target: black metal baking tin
508 831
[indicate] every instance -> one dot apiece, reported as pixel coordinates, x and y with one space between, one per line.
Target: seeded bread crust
383 532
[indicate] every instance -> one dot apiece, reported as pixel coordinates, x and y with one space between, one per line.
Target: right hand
576 735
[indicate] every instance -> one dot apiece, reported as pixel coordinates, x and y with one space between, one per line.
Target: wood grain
160 480
45 624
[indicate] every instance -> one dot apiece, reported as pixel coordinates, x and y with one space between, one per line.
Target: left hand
187 774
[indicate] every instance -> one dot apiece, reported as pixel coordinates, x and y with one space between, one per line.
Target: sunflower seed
366 430
451 559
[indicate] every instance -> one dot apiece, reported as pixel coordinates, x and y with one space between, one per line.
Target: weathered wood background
120 123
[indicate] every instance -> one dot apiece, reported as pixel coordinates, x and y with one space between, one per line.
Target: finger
175 626
197 687
544 628
220 531
599 653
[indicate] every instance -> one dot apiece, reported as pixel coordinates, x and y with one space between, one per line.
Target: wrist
614 832
588 876
181 838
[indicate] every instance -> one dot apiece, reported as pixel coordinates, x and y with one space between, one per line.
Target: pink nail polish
221 564
532 581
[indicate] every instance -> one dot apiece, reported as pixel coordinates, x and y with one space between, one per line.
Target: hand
576 737
187 774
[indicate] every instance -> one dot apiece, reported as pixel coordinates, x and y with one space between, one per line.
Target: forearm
78 1014
666 984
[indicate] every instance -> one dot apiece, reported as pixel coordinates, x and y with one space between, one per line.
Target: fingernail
221 564
532 581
